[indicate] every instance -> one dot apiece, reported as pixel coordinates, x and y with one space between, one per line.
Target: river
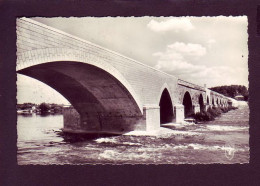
225 140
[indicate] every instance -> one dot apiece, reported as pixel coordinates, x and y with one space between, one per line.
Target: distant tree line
42 108
232 91
54 108
25 106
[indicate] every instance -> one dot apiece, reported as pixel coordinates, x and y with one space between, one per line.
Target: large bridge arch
166 104
49 55
165 86
103 91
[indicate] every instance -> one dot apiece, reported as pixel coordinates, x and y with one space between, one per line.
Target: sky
201 50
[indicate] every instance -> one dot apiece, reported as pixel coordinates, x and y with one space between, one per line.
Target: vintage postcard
132 90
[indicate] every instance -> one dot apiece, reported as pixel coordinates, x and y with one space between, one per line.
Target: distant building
67 106
233 102
239 98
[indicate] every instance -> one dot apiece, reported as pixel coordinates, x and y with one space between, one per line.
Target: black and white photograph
132 90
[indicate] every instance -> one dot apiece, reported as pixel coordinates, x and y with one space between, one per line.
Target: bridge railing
218 94
190 85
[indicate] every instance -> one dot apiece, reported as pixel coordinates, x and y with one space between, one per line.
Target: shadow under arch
166 108
187 103
96 94
201 102
207 100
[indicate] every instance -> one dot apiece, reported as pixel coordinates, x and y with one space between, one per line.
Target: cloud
180 59
175 58
210 42
216 75
187 49
175 24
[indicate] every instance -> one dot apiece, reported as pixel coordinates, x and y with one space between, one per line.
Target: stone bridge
110 92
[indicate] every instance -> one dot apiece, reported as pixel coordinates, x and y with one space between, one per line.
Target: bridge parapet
223 100
190 85
216 94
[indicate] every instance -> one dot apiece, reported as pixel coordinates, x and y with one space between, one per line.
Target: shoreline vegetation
211 113
40 109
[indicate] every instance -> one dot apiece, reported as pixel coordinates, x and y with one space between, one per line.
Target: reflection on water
38 127
40 141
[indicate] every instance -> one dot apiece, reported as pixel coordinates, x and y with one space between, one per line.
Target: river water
225 140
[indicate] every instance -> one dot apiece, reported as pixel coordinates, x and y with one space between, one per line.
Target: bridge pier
71 119
152 117
196 108
207 107
179 111
75 123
